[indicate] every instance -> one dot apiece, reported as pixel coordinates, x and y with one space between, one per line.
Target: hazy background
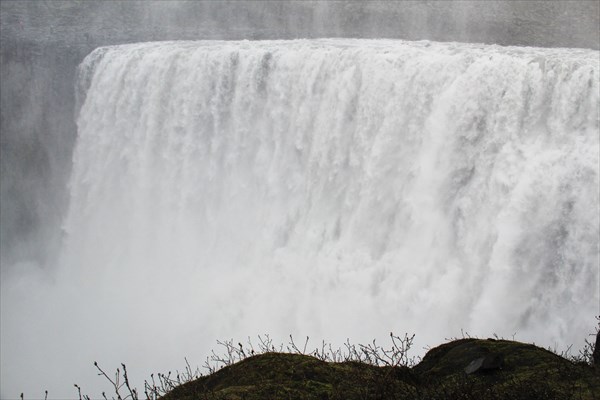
42 42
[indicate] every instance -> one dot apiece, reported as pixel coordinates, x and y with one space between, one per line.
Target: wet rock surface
488 363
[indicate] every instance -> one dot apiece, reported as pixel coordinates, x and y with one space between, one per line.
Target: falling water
337 188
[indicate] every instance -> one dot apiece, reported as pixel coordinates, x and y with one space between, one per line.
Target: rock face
596 353
465 369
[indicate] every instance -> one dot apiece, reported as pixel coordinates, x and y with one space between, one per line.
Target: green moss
526 372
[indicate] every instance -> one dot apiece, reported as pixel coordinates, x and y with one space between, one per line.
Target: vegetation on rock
465 369
525 372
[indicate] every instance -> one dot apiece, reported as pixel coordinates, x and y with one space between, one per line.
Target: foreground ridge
465 369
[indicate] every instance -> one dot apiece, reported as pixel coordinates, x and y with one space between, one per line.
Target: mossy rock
526 372
296 376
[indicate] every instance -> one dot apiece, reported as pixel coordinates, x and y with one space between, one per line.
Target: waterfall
337 188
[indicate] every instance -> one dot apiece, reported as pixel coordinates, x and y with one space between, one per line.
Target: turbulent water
337 188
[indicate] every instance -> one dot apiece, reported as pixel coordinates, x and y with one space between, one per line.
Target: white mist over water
335 188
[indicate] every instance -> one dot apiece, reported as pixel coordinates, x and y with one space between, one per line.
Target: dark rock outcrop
596 353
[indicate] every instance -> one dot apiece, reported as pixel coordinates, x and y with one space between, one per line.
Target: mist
123 244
